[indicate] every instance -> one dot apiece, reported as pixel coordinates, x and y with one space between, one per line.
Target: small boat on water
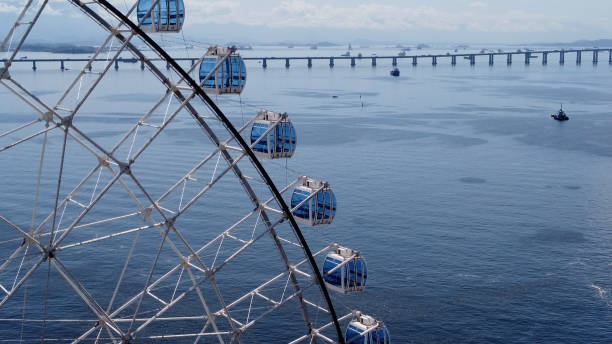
395 72
560 115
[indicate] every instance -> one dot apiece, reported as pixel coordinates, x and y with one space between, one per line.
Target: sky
410 21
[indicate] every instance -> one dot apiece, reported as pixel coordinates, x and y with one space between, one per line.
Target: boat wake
603 293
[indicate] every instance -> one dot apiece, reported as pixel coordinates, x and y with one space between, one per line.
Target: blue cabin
364 329
222 71
273 135
166 15
313 202
344 270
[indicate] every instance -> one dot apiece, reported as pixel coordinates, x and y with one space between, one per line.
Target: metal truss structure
126 242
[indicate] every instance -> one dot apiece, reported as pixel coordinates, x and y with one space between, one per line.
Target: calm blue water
481 219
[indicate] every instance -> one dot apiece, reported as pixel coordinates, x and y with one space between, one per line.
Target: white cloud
478 4
7 8
305 14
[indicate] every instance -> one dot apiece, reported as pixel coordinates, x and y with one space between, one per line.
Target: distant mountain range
62 48
601 43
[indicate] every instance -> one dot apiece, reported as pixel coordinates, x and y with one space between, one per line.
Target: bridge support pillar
491 59
509 59
527 58
544 58
116 64
610 56
353 62
434 60
264 63
578 57
562 57
331 62
453 60
192 62
287 65
89 67
34 65
394 62
414 60
595 56
309 63
373 61
62 68
472 60
142 66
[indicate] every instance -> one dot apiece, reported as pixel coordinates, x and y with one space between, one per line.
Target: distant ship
313 47
395 72
401 53
560 115
346 54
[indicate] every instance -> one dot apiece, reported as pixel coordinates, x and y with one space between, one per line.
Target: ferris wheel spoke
321 329
24 126
27 138
86 210
18 285
25 234
59 185
171 226
104 318
45 111
81 99
105 153
65 201
115 32
110 236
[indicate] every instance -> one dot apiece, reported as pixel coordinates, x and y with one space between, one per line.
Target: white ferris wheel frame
59 118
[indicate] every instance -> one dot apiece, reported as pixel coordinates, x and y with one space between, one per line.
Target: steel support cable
241 141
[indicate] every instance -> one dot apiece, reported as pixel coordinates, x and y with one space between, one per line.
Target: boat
560 115
313 47
395 72
401 53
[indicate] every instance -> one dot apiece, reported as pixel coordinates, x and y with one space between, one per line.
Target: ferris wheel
163 227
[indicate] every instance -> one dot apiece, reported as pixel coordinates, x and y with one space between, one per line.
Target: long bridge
526 56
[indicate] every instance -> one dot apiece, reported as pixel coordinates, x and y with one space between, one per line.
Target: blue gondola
166 15
316 201
278 142
364 329
229 77
344 270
